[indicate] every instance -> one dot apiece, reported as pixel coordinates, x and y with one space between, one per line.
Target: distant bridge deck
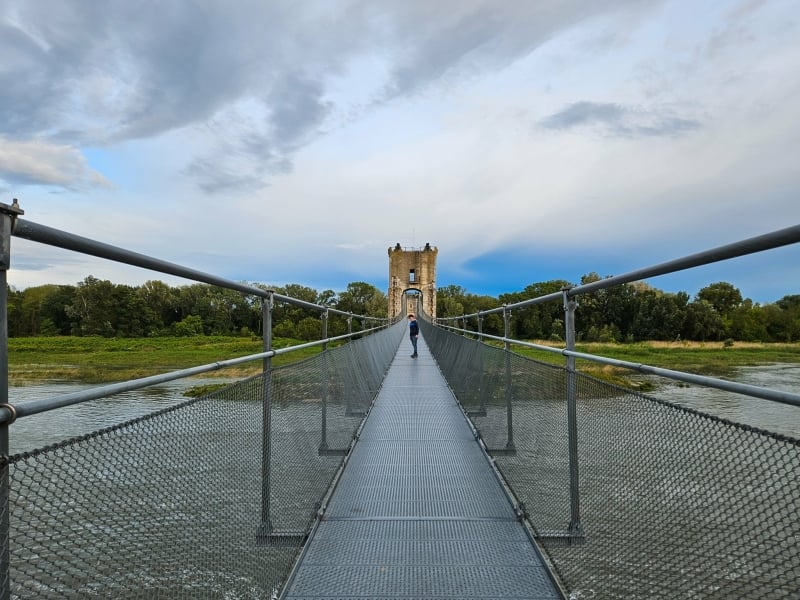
419 511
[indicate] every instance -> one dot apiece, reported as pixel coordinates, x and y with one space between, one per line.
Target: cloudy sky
294 142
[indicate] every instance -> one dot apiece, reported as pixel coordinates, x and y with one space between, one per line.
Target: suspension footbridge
468 472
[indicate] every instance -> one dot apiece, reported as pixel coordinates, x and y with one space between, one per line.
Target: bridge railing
628 495
210 497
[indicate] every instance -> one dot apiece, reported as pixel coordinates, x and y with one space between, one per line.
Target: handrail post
267 304
348 404
482 379
575 530
323 444
509 391
8 217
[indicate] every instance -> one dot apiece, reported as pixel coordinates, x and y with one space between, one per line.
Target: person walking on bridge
413 330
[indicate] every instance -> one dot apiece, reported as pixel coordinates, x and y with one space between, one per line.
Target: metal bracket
8 221
12 413
13 211
562 538
507 451
266 536
324 451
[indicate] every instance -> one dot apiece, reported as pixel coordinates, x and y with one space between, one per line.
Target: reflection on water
36 431
763 414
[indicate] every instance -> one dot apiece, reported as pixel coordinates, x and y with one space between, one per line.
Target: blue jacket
413 327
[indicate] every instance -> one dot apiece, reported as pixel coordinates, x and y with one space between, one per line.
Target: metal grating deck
418 511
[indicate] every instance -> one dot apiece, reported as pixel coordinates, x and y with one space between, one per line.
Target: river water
764 414
35 431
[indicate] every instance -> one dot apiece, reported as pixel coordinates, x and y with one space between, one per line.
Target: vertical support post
8 216
575 528
323 444
267 305
509 390
348 405
482 378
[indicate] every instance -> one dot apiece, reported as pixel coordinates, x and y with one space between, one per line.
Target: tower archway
412 302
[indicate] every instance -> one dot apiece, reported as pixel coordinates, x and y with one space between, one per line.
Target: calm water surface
35 431
764 414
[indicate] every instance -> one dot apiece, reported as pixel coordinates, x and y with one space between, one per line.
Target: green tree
94 308
31 309
748 323
54 310
658 315
539 320
361 298
782 319
159 306
610 310
309 329
702 323
191 325
288 315
14 312
722 296
327 298
450 301
132 314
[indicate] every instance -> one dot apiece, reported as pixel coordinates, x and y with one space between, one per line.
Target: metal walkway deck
419 512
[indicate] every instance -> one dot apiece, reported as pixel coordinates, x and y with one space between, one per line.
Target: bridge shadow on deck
418 511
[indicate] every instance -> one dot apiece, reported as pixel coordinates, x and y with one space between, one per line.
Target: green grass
716 359
103 360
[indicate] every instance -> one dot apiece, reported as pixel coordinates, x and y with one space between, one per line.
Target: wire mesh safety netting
674 503
172 504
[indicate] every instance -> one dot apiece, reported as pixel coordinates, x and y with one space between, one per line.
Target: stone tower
412 270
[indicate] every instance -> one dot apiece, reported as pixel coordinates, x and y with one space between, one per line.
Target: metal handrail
54 237
10 412
69 241
768 241
712 382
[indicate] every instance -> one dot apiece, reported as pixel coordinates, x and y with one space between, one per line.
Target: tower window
412 276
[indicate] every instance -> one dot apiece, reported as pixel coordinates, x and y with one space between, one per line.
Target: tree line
633 312
627 313
97 307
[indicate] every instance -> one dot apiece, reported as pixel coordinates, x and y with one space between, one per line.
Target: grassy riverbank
100 360
716 359
103 360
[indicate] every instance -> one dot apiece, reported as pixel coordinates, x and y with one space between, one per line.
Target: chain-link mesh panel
171 505
674 503
317 407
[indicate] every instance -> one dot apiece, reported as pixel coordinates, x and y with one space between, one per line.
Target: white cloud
43 162
255 137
